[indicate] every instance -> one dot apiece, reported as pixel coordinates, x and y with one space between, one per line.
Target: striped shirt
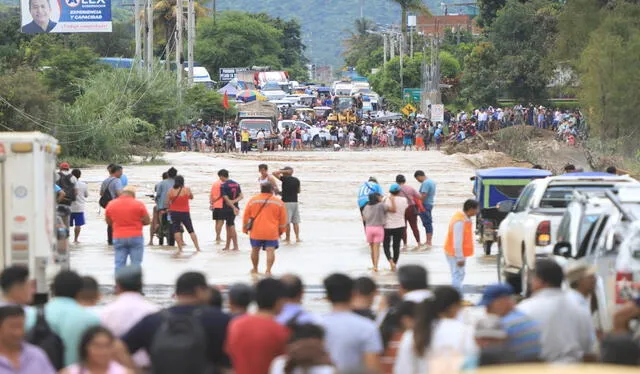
523 335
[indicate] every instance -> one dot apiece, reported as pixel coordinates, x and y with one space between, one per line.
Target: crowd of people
265 328
417 133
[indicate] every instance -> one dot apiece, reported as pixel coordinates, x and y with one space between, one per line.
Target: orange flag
225 101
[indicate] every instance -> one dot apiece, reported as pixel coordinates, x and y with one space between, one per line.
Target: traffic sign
437 113
410 108
412 94
405 111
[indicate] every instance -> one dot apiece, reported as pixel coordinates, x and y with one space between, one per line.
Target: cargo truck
32 232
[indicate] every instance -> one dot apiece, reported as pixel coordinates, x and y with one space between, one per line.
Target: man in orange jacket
460 242
268 217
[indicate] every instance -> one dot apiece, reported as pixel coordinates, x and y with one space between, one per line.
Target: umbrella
250 95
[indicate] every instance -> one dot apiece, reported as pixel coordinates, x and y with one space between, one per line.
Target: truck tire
317 142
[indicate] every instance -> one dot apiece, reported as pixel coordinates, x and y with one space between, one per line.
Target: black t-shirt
232 190
214 323
290 188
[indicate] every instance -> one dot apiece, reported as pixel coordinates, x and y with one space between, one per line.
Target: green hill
325 23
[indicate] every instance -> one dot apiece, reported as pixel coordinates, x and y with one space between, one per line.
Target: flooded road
331 228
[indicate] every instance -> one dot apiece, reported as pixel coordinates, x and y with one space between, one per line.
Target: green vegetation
55 84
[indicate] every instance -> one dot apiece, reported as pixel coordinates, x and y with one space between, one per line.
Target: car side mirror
562 249
505 206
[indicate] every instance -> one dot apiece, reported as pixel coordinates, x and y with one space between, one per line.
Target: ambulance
32 232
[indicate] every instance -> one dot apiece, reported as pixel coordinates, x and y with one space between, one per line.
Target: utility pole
214 12
191 32
401 68
178 41
361 8
137 23
149 57
384 48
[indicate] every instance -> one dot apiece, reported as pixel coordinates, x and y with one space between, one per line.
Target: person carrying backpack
187 337
68 183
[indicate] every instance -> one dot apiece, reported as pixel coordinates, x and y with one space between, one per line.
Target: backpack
68 187
179 345
43 336
106 195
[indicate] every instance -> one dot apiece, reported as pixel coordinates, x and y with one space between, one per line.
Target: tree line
529 51
55 83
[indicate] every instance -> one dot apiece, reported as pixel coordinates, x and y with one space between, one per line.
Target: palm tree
407 6
164 18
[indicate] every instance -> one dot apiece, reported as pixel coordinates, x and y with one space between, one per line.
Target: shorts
375 234
217 214
293 213
264 244
184 144
419 142
76 219
181 218
407 142
228 217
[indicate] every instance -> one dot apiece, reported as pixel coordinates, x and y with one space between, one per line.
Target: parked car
529 229
612 245
318 136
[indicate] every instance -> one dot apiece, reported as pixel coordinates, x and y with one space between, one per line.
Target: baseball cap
65 166
494 292
577 270
373 179
394 188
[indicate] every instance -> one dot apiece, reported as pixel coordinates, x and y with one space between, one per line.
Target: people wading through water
178 203
394 225
374 215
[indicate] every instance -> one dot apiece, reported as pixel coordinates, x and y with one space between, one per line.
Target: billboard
65 16
437 113
228 74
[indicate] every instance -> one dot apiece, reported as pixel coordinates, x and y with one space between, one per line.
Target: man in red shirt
127 216
254 340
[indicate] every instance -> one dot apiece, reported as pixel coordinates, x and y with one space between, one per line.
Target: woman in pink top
97 350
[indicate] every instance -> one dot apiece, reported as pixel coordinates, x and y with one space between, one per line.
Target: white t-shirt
396 219
77 206
278 364
451 339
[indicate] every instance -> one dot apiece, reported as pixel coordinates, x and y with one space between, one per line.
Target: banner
437 113
226 75
65 16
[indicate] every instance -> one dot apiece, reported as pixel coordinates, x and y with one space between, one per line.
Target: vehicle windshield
255 125
343 104
560 196
271 86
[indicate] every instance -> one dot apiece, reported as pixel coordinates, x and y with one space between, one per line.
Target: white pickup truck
529 230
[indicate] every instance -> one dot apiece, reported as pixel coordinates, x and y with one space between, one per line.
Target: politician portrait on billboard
65 16
41 13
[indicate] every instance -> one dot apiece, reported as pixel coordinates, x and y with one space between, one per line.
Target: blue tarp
515 173
323 89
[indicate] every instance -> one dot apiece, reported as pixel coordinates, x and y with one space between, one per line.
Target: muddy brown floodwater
331 229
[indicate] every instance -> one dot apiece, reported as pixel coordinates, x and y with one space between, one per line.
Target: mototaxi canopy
494 185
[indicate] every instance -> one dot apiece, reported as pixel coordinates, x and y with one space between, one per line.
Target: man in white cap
127 216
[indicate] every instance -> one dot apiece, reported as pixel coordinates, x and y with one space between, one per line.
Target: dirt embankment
522 146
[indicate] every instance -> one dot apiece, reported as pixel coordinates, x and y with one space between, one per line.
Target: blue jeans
427 219
128 247
457 272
